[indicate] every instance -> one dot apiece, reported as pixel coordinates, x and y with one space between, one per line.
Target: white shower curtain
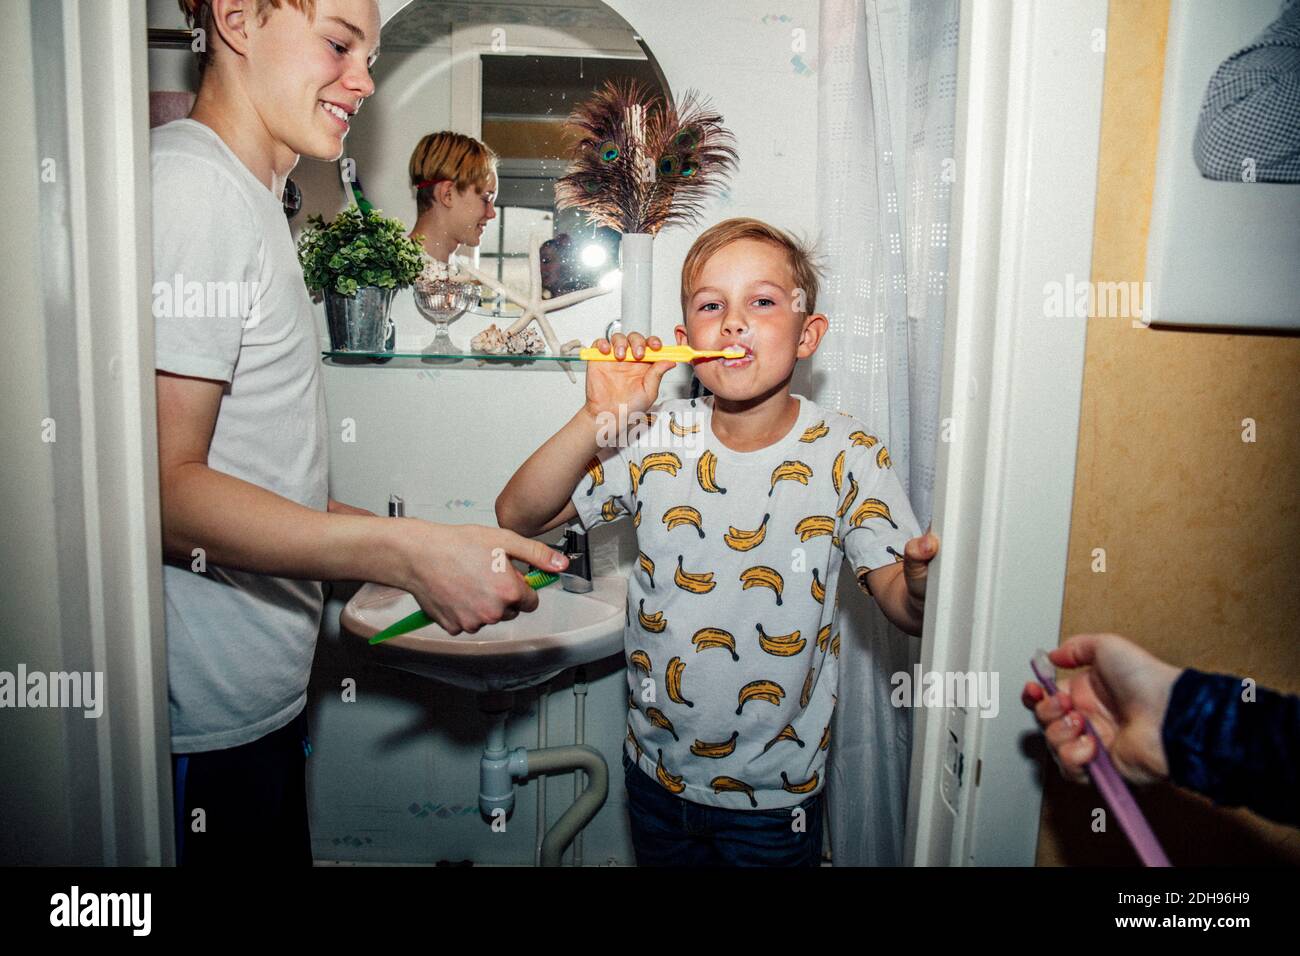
886 110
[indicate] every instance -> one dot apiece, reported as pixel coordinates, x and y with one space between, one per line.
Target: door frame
82 149
1028 128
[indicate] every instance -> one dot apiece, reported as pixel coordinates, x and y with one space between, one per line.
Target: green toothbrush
413 622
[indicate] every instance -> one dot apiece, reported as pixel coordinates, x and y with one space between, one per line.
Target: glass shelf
459 360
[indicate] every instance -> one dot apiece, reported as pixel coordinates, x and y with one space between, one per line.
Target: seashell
491 340
526 341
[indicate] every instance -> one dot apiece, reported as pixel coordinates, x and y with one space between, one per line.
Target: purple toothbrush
1109 782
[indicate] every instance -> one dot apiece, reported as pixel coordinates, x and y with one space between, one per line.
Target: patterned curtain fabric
886 110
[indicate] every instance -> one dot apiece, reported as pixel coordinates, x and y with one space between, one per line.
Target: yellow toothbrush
669 353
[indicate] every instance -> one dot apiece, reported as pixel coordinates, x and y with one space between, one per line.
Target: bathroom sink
566 630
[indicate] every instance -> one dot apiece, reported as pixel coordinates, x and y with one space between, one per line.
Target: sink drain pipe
579 728
565 760
543 693
499 767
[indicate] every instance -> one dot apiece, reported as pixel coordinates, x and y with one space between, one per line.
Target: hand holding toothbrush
628 383
623 379
1123 694
461 575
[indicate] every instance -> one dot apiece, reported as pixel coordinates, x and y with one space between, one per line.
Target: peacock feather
642 163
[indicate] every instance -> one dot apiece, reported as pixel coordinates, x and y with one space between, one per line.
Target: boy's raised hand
633 385
917 555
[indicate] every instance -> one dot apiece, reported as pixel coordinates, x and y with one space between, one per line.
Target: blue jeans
670 831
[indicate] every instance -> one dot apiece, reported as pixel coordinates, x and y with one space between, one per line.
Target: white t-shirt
230 304
731 635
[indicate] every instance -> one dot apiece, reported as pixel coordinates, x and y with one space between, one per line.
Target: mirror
508 74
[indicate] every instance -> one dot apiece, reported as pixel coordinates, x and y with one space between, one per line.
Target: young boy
247 526
745 504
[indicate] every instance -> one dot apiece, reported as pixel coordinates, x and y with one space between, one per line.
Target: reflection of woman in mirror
455 183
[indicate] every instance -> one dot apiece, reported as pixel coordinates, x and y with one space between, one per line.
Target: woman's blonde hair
198 14
806 272
453 156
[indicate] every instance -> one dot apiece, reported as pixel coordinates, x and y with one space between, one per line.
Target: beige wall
1199 528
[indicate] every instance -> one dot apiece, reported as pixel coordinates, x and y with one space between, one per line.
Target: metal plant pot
361 322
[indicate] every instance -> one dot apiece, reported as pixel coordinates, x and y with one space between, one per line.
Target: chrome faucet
577 577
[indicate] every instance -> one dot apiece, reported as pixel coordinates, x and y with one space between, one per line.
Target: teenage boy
248 528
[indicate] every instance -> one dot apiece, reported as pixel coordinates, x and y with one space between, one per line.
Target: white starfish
532 302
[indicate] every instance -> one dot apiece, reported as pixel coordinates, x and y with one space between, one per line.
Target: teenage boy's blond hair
198 14
805 271
453 156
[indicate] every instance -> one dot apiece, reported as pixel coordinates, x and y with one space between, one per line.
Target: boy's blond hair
453 156
198 14
805 271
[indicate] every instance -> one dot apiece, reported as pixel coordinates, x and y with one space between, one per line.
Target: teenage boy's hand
633 385
461 575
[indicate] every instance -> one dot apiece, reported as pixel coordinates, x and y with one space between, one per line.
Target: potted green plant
358 262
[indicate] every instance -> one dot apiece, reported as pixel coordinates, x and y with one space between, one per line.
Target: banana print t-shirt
731 639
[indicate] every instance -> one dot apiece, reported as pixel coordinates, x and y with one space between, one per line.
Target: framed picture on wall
1224 244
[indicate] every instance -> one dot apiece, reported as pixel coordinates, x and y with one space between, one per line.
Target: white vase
635 261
